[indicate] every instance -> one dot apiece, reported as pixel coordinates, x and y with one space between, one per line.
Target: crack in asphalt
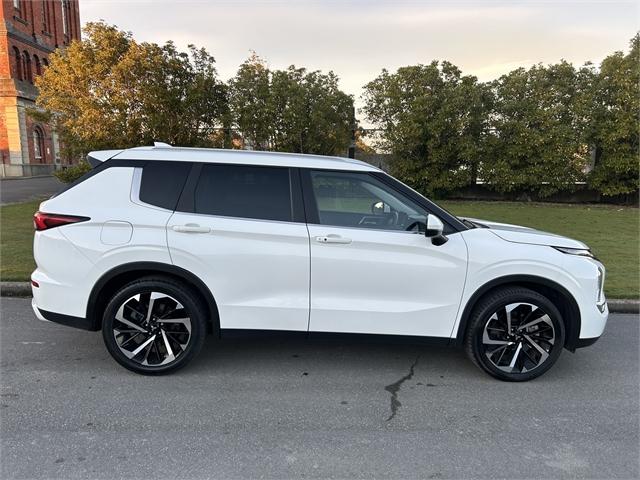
394 388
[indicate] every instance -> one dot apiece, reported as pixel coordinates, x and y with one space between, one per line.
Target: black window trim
303 203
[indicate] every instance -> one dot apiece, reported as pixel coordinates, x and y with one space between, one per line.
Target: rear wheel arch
110 282
556 293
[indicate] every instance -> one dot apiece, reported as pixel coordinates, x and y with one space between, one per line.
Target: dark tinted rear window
244 191
162 183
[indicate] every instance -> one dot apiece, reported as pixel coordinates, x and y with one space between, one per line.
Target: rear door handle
190 228
333 239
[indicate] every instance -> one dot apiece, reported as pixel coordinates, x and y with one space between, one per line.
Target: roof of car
244 157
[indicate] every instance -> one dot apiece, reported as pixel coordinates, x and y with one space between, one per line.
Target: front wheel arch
117 277
556 293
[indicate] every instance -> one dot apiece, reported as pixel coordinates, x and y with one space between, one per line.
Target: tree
614 123
249 100
312 115
290 110
111 91
538 124
434 122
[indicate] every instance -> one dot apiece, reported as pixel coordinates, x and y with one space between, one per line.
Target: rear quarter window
162 183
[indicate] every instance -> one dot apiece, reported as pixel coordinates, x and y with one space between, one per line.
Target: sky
357 39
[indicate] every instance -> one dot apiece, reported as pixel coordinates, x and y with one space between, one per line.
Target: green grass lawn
16 241
611 232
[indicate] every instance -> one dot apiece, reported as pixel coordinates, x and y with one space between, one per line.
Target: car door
372 268
238 228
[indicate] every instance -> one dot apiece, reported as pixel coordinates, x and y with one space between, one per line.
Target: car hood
520 234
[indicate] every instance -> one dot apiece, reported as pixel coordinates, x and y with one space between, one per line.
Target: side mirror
380 208
434 230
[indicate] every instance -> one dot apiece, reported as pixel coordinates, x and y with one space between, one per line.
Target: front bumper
593 323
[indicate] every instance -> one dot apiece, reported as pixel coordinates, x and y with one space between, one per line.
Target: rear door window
244 191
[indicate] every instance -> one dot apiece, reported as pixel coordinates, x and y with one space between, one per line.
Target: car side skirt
340 337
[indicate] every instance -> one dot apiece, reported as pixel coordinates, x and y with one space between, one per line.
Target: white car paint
520 234
491 257
259 270
277 275
72 258
385 282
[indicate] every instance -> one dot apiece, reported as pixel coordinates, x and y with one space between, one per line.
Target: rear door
240 229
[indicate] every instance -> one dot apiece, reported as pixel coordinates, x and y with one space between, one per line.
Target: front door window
358 200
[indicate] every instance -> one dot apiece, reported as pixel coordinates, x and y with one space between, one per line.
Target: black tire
492 345
176 321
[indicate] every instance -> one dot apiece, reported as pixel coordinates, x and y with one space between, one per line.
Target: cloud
495 70
358 38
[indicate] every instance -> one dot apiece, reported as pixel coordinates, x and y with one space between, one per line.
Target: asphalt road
24 189
292 409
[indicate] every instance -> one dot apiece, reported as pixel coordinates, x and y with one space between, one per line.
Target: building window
37 65
38 145
20 8
65 17
27 74
18 62
46 16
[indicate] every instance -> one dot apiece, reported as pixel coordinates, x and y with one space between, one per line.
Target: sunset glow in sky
356 39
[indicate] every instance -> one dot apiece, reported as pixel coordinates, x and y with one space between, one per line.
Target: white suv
157 246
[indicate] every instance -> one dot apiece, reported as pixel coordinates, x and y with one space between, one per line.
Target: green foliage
538 124
531 131
290 110
110 90
434 121
73 172
614 128
249 101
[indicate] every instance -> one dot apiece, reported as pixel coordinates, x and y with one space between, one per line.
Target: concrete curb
15 289
25 178
23 289
624 306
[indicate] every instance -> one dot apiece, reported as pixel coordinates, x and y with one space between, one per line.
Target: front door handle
333 239
190 228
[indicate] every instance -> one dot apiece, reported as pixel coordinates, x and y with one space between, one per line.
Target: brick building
29 31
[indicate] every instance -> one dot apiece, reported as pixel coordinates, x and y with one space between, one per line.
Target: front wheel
515 334
154 325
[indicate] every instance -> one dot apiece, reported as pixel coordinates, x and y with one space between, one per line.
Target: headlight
581 252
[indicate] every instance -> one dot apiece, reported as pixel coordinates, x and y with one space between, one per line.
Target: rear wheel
154 325
515 334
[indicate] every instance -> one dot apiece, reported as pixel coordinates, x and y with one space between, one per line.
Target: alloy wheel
152 328
518 337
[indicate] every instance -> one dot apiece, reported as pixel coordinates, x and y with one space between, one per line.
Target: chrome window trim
226 217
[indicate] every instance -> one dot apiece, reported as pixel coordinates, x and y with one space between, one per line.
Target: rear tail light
44 221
